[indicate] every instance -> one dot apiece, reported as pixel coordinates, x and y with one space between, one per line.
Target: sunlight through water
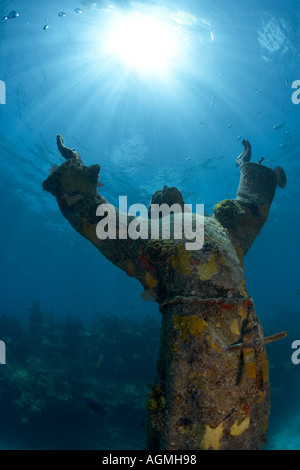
142 42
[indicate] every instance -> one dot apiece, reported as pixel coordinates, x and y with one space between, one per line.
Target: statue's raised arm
245 215
75 187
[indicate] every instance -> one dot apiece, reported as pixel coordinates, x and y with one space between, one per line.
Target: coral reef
53 370
227 213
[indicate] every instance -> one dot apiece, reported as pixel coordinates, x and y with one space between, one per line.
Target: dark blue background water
145 132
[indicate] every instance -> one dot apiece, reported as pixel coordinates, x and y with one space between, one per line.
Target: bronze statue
211 388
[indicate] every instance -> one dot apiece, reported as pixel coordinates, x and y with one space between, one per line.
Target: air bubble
61 13
77 10
45 27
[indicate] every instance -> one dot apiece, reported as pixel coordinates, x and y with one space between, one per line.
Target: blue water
230 79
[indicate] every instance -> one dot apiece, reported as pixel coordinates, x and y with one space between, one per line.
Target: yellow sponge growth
181 260
189 325
238 429
150 281
212 437
206 270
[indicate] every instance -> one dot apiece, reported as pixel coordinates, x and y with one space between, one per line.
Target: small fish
11 15
99 184
284 145
95 406
261 160
278 126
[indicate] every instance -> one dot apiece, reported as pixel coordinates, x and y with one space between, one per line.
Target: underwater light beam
144 43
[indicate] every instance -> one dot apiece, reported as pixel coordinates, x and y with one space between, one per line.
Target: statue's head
168 195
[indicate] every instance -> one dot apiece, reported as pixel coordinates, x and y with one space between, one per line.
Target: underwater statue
211 389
